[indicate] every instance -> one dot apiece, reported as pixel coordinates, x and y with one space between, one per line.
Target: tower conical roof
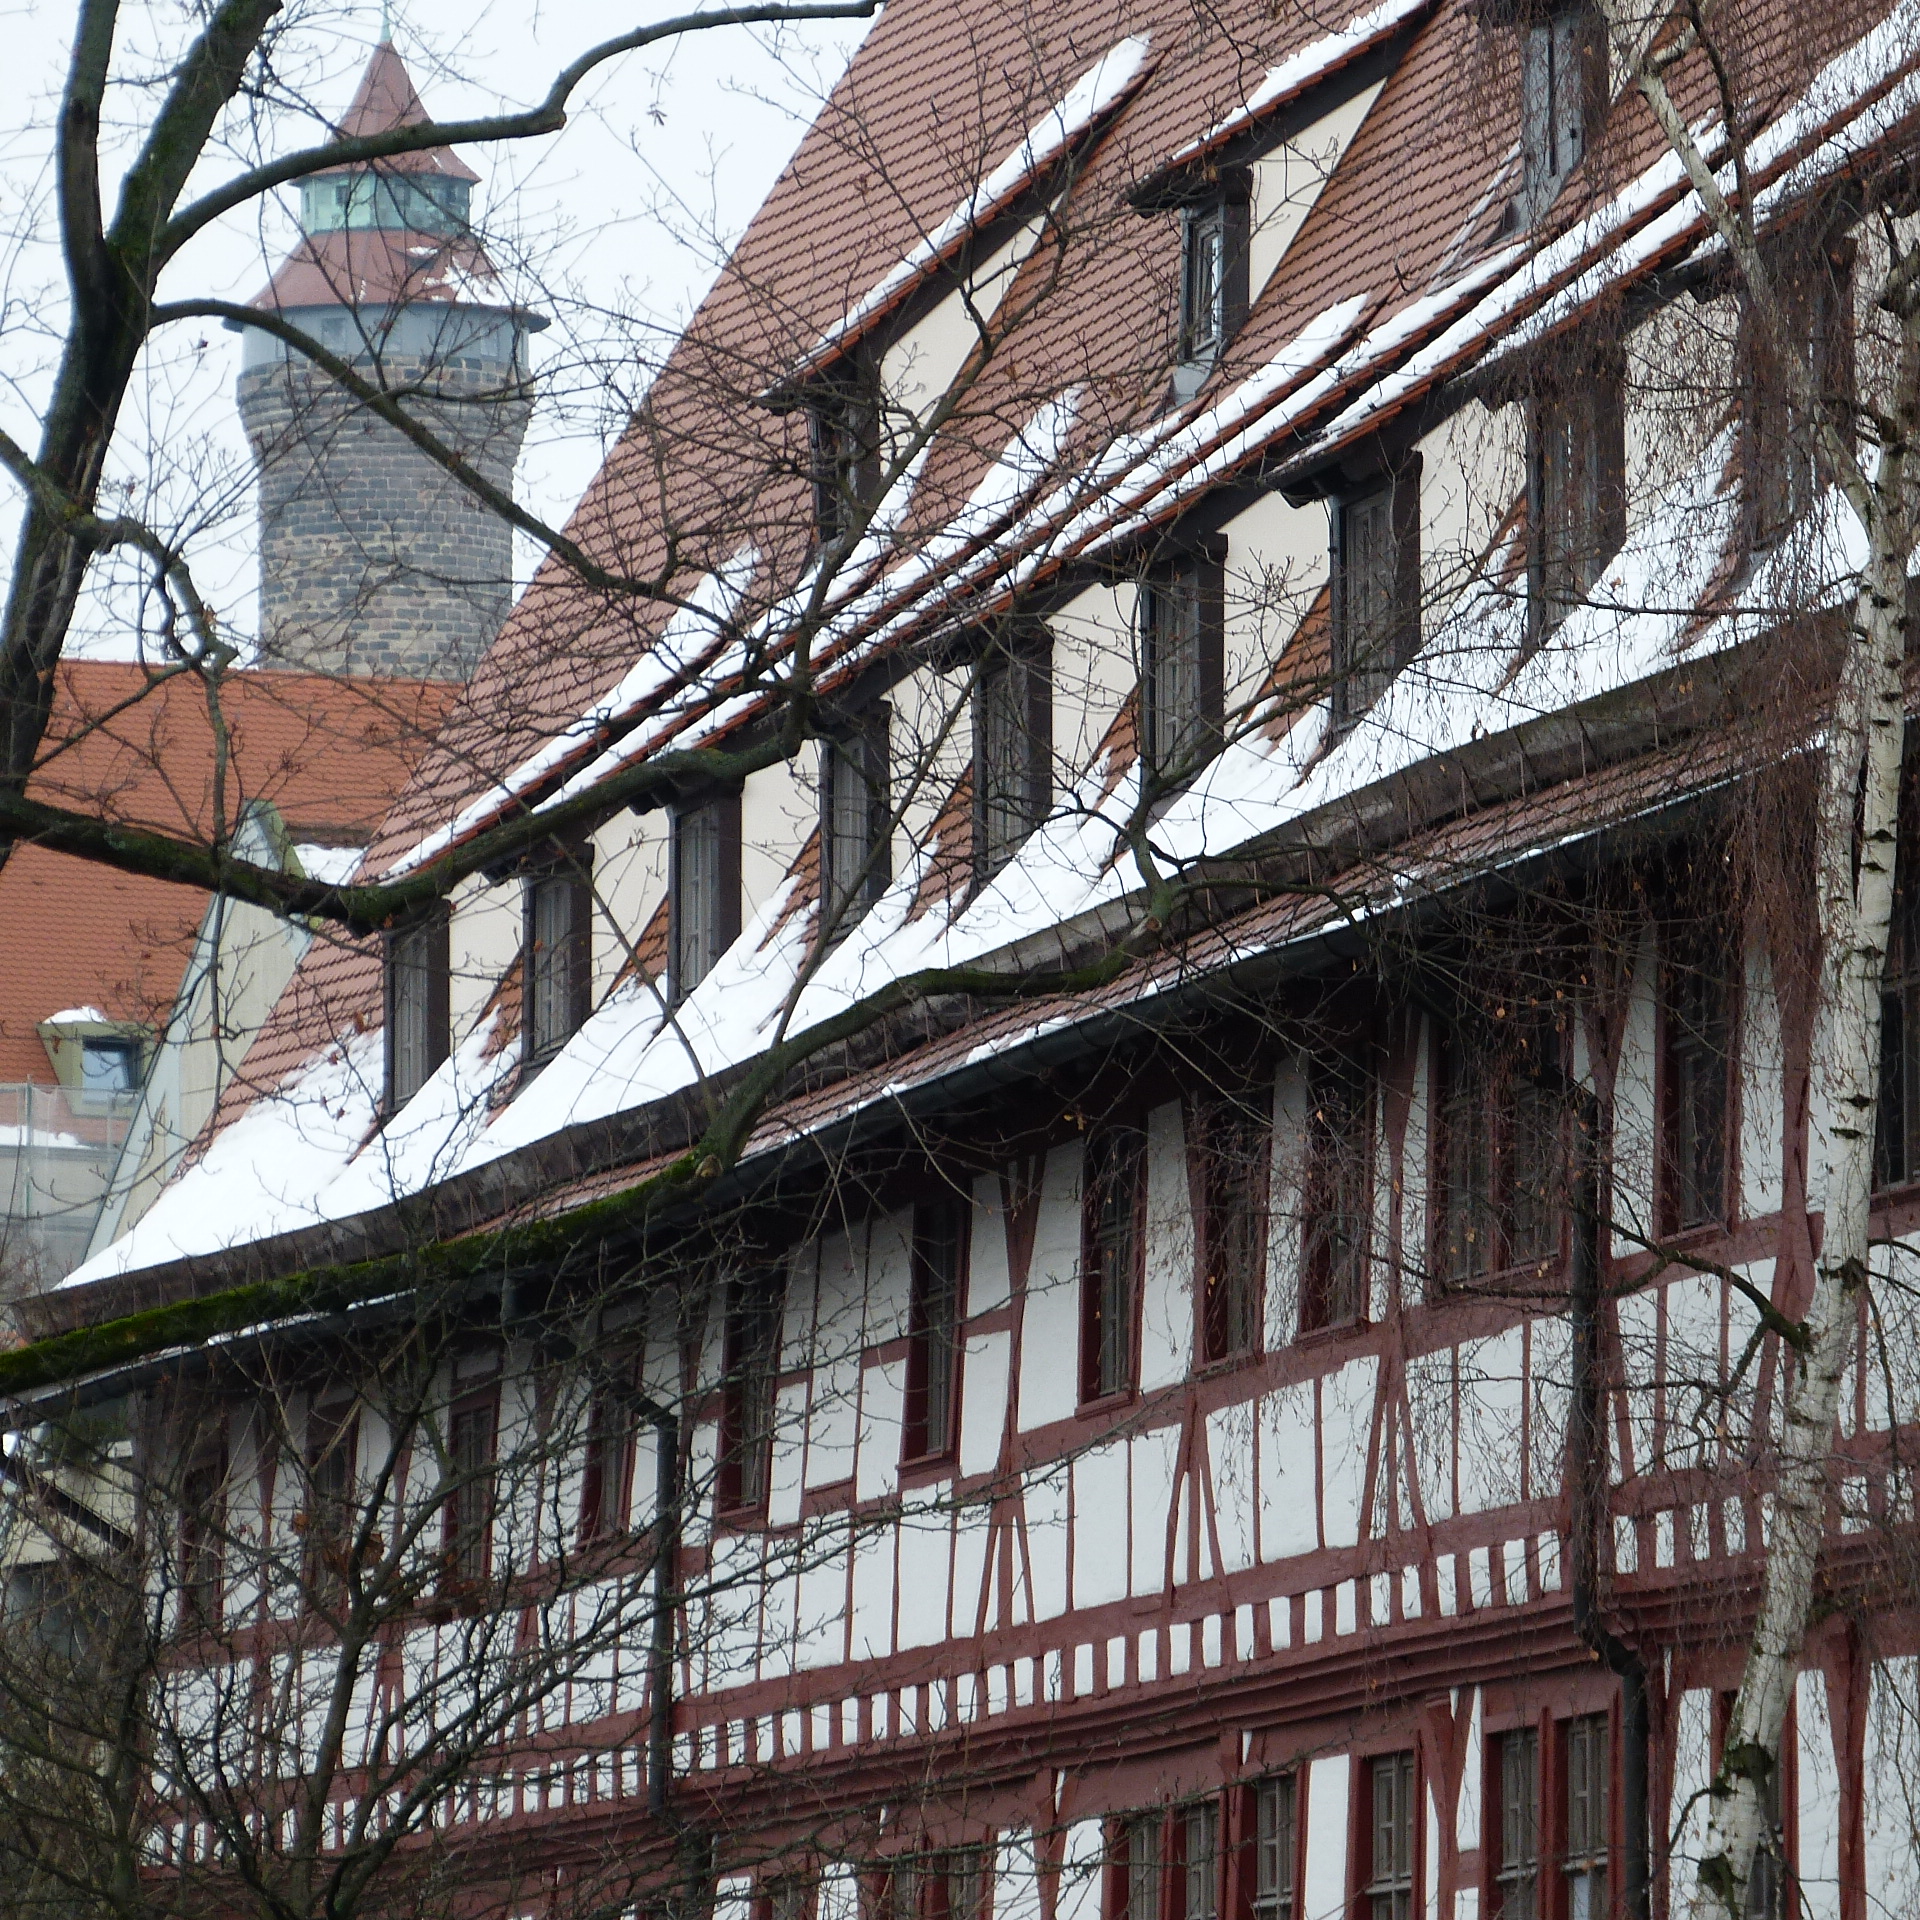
387 98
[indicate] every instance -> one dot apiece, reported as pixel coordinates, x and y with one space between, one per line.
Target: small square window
109 1066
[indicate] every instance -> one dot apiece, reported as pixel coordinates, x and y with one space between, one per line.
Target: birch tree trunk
1854 874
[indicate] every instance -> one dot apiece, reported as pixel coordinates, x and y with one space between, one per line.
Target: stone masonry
373 560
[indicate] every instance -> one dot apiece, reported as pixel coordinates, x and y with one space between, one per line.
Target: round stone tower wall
373 559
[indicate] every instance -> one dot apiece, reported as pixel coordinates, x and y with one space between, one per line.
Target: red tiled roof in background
329 754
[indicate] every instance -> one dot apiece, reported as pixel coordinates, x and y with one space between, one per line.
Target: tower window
1012 748
1182 642
418 1017
856 820
558 945
1563 92
933 1329
1576 489
703 888
1376 590
1388 1892
1112 1219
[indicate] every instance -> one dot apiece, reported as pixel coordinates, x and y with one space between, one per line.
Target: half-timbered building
1232 1375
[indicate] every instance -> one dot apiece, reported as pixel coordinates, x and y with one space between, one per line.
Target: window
1587 1756
856 820
203 1525
333 1437
1338 1197
1696 1096
1235 1144
1140 1863
418 968
109 1066
470 1492
933 1329
787 1898
843 429
1197 1829
1276 1823
1563 94
1012 748
1897 1137
752 1362
703 889
1112 1210
1781 468
1213 277
1516 1839
559 948
1182 616
1576 490
606 1468
1376 591
1501 1174
951 1885
1392 1813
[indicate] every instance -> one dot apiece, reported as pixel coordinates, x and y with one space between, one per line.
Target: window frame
843 448
1563 99
695 946
1574 1863
1329 1135
129 1056
1016 670
1363 665
566 992
936 1342
1784 1791
417 983
1283 1790
1173 748
1115 1160
749 1393
1686 955
1576 487
1215 231
201 1539
467 1540
856 761
1397 1889
331 1448
1232 1140
607 1460
1522 1744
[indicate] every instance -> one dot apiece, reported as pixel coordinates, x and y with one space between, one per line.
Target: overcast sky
615 220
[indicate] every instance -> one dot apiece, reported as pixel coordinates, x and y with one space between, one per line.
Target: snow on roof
1307 68
75 1017
1097 92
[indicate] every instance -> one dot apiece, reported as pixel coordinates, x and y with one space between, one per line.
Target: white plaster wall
1817 1817
1277 561
1047 1538
1288 179
989 1277
1346 1424
930 746
1230 1449
483 942
1101 1551
1762 1089
779 807
983 1400
1635 1128
1492 1379
1050 1341
1166 1305
1324 1871
1692 1767
1150 1467
1096 665
1289 1507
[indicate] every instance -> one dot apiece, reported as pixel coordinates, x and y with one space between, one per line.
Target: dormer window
843 429
1576 488
1182 644
557 942
418 970
1563 92
856 819
1376 589
1213 280
1012 747
703 889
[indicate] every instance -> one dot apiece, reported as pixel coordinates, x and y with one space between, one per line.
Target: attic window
558 945
418 968
856 813
1012 747
109 1066
1181 668
1213 279
703 888
1376 590
843 438
1576 491
1563 91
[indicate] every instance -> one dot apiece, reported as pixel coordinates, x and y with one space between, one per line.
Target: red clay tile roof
329 754
386 98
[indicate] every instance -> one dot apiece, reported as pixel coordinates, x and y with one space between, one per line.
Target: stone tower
372 560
